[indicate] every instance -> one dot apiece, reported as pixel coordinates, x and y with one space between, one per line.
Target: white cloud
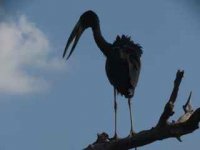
24 51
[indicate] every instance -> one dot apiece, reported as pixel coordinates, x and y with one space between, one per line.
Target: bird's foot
114 138
132 133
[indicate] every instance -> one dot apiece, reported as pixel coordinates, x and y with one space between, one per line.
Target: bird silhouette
123 63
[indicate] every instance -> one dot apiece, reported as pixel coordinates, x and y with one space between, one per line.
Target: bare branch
168 111
162 130
188 107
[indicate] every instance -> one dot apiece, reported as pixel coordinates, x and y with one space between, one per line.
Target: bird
123 60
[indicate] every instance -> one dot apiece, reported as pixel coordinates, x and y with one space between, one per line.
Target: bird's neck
103 45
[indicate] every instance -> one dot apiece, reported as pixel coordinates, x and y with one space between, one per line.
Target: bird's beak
75 35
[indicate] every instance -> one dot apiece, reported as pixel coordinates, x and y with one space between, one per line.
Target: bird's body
123 65
122 57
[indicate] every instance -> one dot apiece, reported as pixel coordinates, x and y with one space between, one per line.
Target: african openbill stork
122 59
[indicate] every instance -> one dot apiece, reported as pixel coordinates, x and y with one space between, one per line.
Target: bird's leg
132 131
115 109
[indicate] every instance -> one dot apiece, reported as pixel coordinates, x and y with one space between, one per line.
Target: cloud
25 53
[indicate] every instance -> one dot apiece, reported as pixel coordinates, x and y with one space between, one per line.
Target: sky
47 103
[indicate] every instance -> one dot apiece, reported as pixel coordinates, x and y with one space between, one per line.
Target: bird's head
86 20
89 19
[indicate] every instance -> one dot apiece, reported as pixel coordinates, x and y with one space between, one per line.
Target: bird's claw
114 138
132 133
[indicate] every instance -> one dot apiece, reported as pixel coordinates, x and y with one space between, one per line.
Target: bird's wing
134 69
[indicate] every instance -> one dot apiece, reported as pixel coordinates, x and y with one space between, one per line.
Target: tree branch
186 124
168 111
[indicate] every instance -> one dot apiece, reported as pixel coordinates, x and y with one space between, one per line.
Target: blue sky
48 103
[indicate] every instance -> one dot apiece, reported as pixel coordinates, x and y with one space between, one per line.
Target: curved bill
75 35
